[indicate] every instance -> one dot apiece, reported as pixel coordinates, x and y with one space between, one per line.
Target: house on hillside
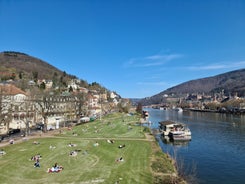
93 101
113 95
48 83
72 84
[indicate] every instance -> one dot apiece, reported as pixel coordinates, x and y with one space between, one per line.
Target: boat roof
169 122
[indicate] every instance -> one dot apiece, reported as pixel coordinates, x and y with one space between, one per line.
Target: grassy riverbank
96 160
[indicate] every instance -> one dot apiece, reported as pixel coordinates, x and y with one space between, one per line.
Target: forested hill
231 82
16 62
21 68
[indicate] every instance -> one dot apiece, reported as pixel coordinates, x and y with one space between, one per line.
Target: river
216 153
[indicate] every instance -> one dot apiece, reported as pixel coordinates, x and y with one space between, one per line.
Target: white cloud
217 66
239 64
154 60
207 67
164 57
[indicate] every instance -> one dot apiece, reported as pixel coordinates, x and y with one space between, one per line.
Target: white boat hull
176 131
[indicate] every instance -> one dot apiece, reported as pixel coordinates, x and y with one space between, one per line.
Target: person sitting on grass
110 141
56 168
37 163
120 159
36 142
121 146
72 145
36 157
2 152
73 153
51 147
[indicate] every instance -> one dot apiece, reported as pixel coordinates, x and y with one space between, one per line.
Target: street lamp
100 106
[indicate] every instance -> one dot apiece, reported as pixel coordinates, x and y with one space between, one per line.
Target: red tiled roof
9 89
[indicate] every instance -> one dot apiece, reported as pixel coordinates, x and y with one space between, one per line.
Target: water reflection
217 147
167 140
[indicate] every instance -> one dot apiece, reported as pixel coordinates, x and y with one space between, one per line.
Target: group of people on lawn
36 158
57 168
120 159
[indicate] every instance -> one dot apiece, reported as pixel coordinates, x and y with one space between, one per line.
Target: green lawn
93 164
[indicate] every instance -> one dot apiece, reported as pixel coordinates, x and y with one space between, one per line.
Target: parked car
85 119
13 131
1 138
40 126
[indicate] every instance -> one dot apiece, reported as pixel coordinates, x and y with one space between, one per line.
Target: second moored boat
175 130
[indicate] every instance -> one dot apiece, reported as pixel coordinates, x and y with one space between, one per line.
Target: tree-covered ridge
27 65
13 53
22 68
230 83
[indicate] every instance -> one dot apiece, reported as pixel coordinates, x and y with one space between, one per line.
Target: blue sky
137 48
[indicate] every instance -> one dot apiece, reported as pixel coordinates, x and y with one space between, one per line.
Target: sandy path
35 135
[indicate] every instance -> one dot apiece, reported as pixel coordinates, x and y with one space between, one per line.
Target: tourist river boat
175 130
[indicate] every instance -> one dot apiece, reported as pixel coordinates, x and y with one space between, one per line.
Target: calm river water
216 152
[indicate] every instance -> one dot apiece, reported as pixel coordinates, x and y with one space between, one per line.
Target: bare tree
43 104
5 112
81 108
29 113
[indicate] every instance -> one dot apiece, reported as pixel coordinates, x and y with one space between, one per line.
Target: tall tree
139 108
20 75
35 75
44 106
42 86
81 106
